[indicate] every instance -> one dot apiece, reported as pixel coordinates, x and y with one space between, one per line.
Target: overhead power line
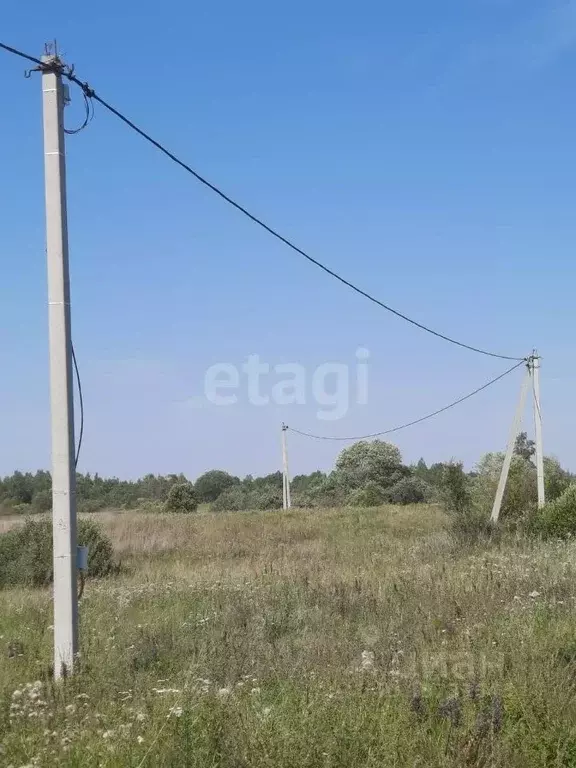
22 55
90 93
81 400
416 421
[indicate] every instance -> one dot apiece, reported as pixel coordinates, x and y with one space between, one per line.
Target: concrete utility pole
538 430
286 502
61 381
510 449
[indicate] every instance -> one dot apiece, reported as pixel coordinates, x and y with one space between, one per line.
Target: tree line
365 474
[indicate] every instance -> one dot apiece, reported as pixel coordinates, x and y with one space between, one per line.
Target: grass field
335 638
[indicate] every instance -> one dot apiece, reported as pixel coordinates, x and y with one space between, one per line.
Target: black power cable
81 399
416 421
89 93
277 235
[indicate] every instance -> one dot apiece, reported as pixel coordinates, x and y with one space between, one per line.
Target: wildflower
451 710
70 708
367 663
534 594
266 711
474 690
175 712
140 717
107 734
255 691
497 713
418 705
223 692
140 740
17 694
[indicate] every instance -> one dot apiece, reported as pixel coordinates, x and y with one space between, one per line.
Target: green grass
330 638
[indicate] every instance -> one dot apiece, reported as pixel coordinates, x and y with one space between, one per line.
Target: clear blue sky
425 150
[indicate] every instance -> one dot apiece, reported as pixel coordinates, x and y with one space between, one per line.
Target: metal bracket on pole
286 501
511 443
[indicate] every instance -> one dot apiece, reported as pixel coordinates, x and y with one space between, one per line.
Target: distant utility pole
532 375
61 382
286 502
538 430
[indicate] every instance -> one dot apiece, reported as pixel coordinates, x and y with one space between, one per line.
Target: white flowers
175 712
27 701
223 692
367 663
166 690
140 740
534 594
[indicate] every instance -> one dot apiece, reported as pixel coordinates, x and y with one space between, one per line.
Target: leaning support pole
538 430
510 449
286 501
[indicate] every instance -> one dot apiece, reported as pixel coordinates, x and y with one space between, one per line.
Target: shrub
469 522
410 490
150 506
213 483
265 498
26 553
371 495
556 479
469 526
520 489
233 500
88 506
455 488
42 502
181 499
237 499
558 517
364 462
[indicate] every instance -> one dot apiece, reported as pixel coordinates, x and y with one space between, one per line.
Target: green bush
150 506
237 499
212 484
556 479
369 461
520 491
470 526
558 517
371 495
181 499
26 553
88 506
233 500
410 490
455 488
42 502
266 498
